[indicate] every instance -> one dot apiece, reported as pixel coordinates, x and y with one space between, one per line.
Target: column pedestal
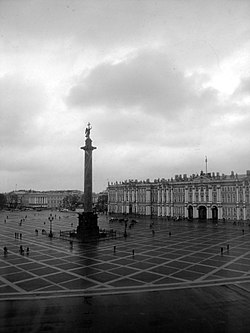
87 228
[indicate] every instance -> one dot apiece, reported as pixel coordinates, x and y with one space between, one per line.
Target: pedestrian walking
28 251
21 249
21 236
5 250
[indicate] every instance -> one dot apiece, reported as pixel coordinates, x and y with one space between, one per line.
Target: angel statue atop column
87 130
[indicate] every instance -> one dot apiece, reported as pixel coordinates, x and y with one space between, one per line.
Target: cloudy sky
163 84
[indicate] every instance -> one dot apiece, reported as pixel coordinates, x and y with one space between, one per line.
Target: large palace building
204 196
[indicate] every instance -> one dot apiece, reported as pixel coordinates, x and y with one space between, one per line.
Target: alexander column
87 227
88 171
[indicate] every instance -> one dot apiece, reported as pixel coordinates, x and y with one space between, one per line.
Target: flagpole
206 163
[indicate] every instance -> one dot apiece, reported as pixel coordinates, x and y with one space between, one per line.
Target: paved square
191 256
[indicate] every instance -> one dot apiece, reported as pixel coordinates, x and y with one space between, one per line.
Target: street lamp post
50 218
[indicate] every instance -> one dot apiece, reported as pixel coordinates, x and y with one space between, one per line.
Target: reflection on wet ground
163 255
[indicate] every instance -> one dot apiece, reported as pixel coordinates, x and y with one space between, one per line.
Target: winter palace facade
203 196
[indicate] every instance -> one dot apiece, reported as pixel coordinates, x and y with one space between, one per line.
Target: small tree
13 200
71 201
3 200
102 202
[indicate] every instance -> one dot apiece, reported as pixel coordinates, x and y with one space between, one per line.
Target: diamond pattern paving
191 256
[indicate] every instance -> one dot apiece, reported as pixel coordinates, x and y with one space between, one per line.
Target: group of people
18 235
21 250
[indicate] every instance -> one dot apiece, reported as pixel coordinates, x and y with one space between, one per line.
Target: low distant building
38 199
204 196
44 199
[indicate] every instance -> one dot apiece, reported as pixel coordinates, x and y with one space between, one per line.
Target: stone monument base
87 228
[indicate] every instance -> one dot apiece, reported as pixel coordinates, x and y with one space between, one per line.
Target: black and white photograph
124 166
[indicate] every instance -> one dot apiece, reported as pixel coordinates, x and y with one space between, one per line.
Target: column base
87 228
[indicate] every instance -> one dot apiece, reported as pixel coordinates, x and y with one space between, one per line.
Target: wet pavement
176 278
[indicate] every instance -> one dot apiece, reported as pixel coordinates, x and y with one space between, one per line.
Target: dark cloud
148 82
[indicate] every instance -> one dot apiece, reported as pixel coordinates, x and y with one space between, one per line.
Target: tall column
88 207
88 227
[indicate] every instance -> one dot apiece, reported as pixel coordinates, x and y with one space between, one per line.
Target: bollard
227 247
114 249
133 252
221 250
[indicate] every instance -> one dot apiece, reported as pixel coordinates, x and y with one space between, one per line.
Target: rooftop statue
87 130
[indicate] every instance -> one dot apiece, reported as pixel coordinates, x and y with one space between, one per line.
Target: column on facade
244 194
195 212
244 202
186 194
220 212
163 201
171 212
186 202
166 201
136 200
244 213
122 199
193 195
209 212
116 195
148 201
159 201
237 203
210 199
219 194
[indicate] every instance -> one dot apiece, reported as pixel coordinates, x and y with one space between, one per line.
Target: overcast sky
163 84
